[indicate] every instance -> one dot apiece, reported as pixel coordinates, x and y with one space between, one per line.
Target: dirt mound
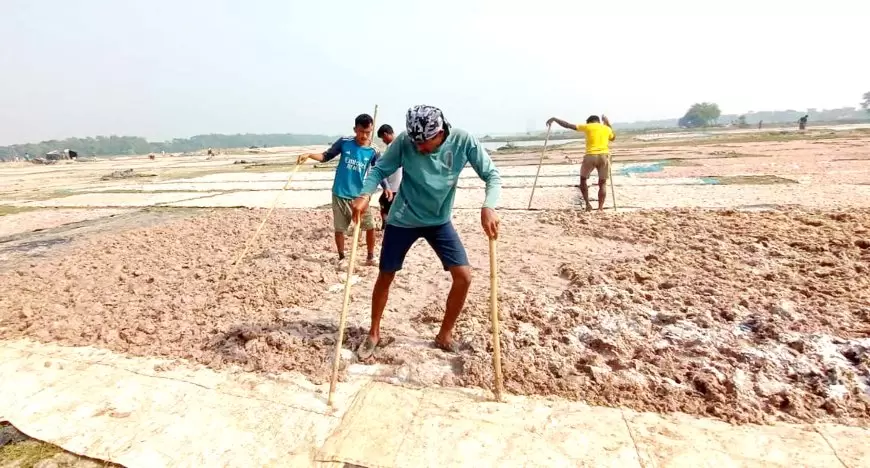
736 264
748 317
288 344
125 174
161 291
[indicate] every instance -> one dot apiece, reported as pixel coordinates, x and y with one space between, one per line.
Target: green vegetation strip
26 453
8 210
750 180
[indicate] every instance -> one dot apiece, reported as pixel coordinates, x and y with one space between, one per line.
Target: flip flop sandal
366 349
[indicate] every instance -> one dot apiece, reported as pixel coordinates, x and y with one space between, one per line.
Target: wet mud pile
170 291
747 317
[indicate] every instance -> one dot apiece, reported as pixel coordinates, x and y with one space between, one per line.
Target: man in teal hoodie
431 154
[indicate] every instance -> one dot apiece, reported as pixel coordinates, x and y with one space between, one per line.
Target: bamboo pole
263 223
540 163
493 309
342 321
610 175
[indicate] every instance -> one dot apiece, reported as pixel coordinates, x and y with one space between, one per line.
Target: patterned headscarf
424 122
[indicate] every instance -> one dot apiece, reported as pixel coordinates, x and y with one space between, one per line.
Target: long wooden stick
235 265
493 309
540 163
610 175
342 321
266 217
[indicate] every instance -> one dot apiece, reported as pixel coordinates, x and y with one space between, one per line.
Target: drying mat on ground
154 413
453 428
95 403
389 426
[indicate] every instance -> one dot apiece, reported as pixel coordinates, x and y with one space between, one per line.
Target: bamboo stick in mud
610 176
342 321
540 163
498 384
266 217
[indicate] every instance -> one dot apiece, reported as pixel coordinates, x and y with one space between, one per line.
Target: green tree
741 121
866 103
701 114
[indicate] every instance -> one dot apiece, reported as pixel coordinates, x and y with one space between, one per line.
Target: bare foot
588 207
446 344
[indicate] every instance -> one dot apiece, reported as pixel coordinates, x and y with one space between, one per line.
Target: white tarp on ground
116 199
263 199
153 413
313 185
652 194
41 220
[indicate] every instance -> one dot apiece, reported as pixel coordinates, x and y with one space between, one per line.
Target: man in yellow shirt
598 138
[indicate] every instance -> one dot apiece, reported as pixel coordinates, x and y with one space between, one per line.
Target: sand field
629 314
733 284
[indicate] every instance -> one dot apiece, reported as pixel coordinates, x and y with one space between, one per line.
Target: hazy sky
175 68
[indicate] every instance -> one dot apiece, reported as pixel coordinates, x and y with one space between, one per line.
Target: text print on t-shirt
355 165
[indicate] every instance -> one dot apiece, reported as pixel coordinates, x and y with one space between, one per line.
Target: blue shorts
443 239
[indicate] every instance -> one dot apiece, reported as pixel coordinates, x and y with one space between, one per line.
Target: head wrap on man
424 122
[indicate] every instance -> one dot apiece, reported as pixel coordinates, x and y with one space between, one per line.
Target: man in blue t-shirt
356 156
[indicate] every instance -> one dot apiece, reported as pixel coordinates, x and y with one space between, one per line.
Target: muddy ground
748 317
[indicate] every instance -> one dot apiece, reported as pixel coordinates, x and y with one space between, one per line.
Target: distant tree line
843 114
701 114
129 145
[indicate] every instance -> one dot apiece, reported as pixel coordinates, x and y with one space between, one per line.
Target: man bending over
432 154
598 138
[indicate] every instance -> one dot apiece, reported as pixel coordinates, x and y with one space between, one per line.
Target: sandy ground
820 172
742 314
841 162
842 156
28 181
749 317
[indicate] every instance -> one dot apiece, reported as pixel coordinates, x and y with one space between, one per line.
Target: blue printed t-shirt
352 166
